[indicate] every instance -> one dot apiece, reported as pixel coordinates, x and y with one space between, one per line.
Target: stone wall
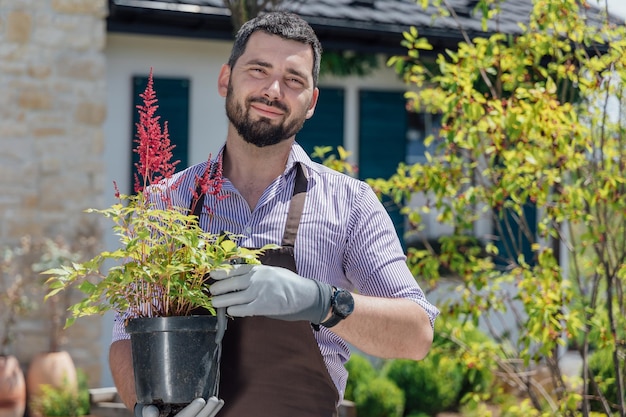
52 109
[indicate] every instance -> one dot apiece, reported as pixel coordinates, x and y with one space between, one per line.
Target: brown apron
274 368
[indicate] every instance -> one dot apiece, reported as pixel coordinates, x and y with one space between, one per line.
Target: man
340 275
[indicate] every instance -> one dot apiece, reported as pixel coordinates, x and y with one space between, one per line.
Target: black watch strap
333 320
342 305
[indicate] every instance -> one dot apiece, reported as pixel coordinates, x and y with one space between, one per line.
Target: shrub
360 371
603 370
379 398
430 386
531 142
472 348
461 357
64 401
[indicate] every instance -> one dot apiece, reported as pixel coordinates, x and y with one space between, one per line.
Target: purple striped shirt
345 238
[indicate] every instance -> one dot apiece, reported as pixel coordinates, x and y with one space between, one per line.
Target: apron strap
296 207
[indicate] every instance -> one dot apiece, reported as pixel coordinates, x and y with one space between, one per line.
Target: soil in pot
175 359
12 387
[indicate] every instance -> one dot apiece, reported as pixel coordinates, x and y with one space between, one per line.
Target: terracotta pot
51 368
12 388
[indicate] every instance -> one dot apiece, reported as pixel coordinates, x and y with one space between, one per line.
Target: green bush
472 348
602 367
430 386
360 371
459 363
64 402
379 398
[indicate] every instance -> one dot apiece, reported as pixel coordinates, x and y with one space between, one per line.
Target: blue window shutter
173 101
325 128
382 141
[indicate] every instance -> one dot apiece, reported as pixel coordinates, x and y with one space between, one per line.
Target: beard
261 132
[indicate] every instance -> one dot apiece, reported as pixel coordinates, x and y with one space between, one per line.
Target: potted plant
53 366
12 387
66 400
13 302
20 292
158 271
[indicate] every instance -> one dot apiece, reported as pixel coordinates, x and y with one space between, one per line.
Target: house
71 70
359 113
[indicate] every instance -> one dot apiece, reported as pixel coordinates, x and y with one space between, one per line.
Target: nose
272 91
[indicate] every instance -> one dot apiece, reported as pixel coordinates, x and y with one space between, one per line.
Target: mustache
263 100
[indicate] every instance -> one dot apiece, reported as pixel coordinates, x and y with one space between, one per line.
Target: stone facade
52 110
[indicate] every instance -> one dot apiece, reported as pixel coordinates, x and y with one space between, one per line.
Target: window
420 126
325 128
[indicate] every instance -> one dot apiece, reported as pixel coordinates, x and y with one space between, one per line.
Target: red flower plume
153 144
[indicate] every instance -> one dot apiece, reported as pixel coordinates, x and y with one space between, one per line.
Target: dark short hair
287 25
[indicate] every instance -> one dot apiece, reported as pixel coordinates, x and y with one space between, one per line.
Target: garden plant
533 142
164 255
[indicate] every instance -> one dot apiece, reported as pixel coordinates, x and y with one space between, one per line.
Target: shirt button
248 230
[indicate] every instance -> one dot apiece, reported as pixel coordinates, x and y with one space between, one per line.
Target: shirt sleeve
375 260
119 331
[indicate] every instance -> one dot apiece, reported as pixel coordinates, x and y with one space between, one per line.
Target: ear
223 79
311 110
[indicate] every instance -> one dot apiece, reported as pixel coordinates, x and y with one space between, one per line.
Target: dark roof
361 25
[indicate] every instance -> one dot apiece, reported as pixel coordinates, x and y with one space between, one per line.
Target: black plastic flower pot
175 359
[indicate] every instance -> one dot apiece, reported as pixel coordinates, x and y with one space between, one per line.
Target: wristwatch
342 305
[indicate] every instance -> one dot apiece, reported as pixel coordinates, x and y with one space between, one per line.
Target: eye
257 71
295 82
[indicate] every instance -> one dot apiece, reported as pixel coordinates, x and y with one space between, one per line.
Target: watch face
344 303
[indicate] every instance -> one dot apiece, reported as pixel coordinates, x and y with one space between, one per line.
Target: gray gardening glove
197 408
271 291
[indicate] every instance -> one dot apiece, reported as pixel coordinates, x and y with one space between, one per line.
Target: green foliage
360 372
373 394
532 121
64 401
20 283
462 357
164 255
476 353
431 385
347 63
57 253
602 368
14 300
379 398
337 161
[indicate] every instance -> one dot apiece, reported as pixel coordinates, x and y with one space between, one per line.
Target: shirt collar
296 155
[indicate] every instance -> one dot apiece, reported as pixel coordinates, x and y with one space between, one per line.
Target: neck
252 169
